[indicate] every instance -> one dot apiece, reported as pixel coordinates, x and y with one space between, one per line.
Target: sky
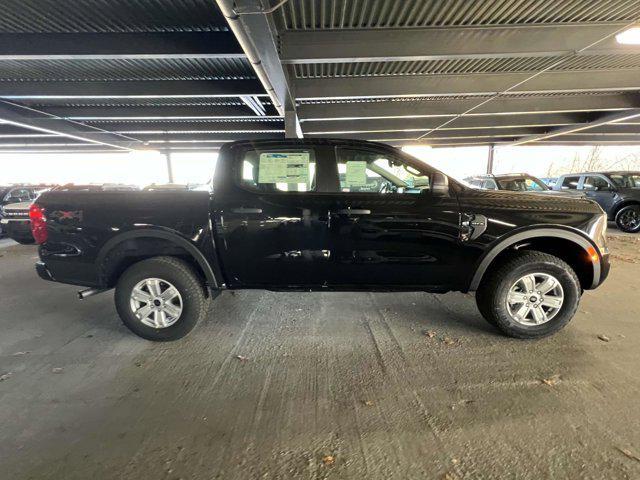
143 168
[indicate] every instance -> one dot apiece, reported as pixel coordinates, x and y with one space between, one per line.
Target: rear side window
595 183
278 170
570 183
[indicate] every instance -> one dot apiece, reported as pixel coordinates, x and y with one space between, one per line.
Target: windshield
521 184
626 180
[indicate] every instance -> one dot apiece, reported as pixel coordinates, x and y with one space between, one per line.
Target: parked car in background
549 181
514 182
323 215
618 193
10 194
15 222
96 187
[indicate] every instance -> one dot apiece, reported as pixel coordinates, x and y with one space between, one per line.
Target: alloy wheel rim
156 303
535 299
630 219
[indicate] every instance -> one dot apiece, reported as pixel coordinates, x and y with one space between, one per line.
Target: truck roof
311 141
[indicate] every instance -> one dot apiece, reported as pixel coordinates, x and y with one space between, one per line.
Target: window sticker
284 167
356 174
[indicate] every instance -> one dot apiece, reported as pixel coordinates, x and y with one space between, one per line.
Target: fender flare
570 235
171 236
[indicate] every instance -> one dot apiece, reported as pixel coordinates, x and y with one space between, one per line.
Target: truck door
597 188
387 229
270 216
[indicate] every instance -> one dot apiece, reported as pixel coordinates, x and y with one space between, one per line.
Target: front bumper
605 268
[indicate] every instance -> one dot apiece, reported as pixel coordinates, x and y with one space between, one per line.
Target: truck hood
525 201
569 193
630 192
17 206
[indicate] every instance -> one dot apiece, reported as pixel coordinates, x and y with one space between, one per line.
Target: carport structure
118 75
452 73
189 75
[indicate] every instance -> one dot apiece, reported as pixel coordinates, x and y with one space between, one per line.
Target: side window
490 185
363 171
595 183
278 170
570 183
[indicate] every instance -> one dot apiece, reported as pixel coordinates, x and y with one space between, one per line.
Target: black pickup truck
322 215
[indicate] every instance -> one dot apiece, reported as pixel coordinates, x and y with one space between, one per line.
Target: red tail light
38 223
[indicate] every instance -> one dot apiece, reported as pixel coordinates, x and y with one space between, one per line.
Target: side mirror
439 185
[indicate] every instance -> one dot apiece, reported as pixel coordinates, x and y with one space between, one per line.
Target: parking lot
316 385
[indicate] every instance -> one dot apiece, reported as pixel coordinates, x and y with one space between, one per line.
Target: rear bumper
43 272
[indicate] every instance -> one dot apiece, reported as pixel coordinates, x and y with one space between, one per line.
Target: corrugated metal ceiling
37 16
327 14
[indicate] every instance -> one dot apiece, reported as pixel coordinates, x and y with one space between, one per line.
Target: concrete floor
273 383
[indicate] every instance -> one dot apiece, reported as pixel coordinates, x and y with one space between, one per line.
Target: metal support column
169 166
490 159
291 124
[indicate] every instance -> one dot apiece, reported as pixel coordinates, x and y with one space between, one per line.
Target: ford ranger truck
323 215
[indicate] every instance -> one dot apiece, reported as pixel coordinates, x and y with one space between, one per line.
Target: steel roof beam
572 129
427 44
131 89
422 124
108 46
221 127
257 34
480 133
23 117
449 107
80 112
479 84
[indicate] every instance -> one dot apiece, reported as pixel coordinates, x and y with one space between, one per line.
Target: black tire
628 219
492 294
24 241
179 274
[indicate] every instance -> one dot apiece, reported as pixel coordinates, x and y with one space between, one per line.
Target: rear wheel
628 219
531 295
161 298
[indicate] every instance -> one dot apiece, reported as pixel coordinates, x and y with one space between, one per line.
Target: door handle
353 211
246 210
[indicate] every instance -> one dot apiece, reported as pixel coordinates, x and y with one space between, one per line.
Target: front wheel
160 298
531 295
628 219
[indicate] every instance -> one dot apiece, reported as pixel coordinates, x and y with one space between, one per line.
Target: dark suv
515 182
618 193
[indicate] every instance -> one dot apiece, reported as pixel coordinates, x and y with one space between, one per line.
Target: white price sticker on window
356 174
283 167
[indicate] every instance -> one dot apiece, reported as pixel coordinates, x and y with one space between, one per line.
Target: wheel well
133 250
566 250
622 205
